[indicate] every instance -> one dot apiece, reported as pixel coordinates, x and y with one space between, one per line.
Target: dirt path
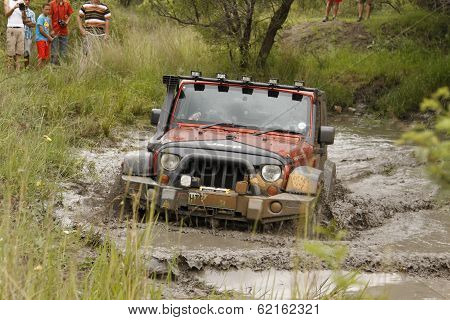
384 200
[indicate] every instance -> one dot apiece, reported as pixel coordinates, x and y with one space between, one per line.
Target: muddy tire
306 226
317 217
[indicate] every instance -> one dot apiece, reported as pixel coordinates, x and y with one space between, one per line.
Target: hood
287 146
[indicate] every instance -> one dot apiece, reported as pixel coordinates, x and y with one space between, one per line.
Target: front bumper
220 204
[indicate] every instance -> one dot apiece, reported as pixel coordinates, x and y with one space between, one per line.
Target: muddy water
398 234
276 284
387 177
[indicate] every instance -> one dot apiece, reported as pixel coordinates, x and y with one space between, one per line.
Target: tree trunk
244 45
276 23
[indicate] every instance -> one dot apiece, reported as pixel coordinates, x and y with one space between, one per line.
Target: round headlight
170 161
271 173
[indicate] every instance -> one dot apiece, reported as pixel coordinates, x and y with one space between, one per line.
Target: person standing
43 35
29 23
15 33
60 11
361 9
93 22
330 3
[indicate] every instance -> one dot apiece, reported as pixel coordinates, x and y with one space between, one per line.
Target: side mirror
326 135
154 119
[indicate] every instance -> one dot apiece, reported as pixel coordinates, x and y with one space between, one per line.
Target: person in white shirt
15 31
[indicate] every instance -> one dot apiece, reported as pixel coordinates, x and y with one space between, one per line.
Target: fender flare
138 163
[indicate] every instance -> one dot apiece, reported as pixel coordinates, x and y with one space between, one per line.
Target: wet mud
384 200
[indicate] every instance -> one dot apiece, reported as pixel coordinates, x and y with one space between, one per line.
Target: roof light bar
196 74
299 83
273 81
221 76
246 78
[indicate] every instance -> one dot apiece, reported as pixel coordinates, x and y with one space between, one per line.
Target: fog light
164 179
185 181
276 207
272 190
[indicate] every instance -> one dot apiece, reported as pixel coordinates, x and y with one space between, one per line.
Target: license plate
194 197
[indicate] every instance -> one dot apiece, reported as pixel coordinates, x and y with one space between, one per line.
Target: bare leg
27 61
10 63
336 9
327 11
368 8
360 9
17 59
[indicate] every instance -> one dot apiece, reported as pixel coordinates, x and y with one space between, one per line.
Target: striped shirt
32 17
95 16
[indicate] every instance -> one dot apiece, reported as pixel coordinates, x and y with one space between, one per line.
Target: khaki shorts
15 41
27 51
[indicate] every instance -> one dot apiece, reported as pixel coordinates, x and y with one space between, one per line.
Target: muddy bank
383 199
308 36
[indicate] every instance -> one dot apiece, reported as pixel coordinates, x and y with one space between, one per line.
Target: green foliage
395 71
43 115
434 143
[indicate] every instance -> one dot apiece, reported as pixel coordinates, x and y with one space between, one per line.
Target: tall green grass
43 115
409 54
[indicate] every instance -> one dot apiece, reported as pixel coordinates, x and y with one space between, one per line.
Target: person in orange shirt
60 11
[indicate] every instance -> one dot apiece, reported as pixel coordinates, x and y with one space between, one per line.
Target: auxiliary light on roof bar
221 76
299 83
273 81
196 74
246 78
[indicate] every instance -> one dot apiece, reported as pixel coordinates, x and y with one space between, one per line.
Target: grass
408 58
44 114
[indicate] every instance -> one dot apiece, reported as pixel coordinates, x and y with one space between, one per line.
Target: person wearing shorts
43 37
330 3
29 23
361 9
15 34
93 21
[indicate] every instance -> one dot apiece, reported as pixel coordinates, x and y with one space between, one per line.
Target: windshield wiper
274 130
228 124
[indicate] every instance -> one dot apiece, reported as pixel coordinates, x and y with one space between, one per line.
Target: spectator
328 9
93 21
43 36
361 9
61 11
30 23
15 33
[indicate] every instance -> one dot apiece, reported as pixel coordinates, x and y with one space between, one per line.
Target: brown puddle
274 284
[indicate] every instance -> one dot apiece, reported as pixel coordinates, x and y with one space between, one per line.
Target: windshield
258 110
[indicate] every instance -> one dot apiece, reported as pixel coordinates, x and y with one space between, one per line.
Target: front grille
217 174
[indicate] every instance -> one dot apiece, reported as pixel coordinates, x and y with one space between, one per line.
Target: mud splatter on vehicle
236 150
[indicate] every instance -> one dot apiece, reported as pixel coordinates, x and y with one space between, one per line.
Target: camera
22 6
61 23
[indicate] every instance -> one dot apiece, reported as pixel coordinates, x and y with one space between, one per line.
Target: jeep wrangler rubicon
235 150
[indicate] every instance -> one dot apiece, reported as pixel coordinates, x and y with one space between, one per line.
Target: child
330 3
43 37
